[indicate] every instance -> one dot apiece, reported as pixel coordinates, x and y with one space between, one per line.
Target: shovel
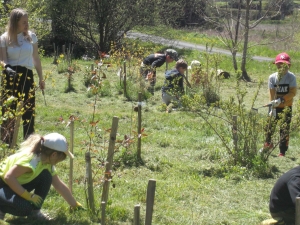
267 105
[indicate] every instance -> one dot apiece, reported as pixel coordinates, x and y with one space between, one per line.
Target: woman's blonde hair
34 145
12 26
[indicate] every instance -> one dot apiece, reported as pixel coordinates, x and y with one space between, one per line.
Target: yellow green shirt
24 159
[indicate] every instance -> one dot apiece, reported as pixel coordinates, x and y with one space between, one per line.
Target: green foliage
239 137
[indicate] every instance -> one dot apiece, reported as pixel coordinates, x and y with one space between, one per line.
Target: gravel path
183 44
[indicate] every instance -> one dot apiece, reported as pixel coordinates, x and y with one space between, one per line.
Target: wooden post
187 79
150 201
234 132
136 220
120 75
17 124
139 126
89 180
71 150
109 160
55 55
297 219
103 217
124 79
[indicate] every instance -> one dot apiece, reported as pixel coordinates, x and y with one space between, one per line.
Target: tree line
93 25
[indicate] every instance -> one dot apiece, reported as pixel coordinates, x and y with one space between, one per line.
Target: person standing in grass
27 175
152 61
19 52
282 89
173 87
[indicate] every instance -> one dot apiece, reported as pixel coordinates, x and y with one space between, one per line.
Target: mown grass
180 152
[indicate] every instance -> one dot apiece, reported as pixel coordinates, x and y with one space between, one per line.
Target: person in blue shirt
173 87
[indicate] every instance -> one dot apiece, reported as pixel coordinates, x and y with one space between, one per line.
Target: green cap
172 53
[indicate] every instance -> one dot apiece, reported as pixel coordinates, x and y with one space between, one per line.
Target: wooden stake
136 220
71 150
150 201
297 219
109 160
103 216
89 179
124 79
139 125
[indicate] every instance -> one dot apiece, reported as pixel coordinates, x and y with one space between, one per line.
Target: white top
21 54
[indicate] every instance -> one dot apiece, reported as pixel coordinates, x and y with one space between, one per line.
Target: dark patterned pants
13 204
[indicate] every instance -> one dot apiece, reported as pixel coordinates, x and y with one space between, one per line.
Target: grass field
179 152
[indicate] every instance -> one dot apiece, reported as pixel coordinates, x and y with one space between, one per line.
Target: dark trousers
13 204
21 87
287 215
284 128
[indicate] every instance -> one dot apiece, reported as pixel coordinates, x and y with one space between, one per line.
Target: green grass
268 48
179 152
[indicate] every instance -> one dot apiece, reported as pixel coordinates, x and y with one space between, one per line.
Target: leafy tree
234 26
99 23
180 12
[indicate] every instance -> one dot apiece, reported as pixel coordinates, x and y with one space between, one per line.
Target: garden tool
267 105
44 97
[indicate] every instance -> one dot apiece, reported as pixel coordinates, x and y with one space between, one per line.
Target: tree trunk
234 62
245 47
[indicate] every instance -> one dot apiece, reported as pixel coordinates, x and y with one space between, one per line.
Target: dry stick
109 160
17 124
103 217
150 201
136 220
71 150
139 125
124 79
297 215
89 178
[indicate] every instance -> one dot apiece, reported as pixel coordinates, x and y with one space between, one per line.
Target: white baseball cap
57 142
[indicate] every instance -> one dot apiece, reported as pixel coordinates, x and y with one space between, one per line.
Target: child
33 168
151 62
173 88
196 72
282 89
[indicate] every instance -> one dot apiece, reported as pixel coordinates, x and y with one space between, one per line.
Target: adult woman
33 168
19 51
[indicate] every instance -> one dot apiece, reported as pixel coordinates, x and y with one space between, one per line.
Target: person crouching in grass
26 177
173 87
